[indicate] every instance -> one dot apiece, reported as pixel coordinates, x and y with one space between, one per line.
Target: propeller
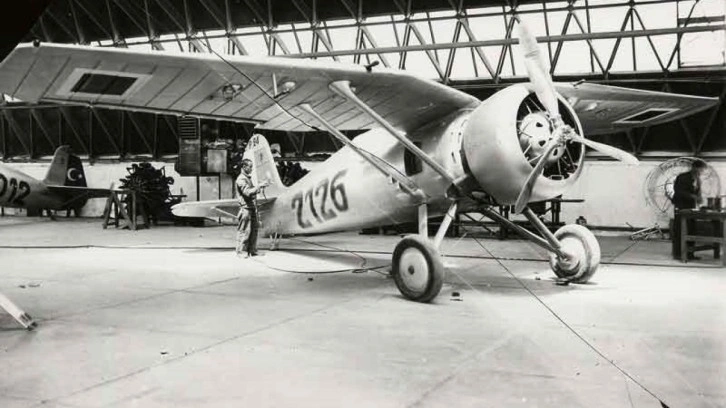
608 150
526 191
539 75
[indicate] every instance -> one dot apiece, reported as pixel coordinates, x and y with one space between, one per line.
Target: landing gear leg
274 241
417 267
574 250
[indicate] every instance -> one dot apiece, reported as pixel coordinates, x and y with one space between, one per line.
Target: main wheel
584 251
417 269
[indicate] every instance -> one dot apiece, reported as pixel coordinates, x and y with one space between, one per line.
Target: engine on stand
151 190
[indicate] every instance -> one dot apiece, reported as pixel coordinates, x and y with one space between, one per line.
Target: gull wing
610 109
262 90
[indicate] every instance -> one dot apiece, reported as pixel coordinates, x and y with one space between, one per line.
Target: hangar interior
171 316
672 46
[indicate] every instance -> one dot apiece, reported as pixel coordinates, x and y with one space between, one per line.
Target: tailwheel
417 269
583 254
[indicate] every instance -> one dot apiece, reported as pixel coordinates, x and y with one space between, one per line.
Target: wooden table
717 217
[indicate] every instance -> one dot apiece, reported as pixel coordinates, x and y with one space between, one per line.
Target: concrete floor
170 317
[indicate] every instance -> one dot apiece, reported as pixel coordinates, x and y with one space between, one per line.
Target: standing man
247 219
686 196
687 187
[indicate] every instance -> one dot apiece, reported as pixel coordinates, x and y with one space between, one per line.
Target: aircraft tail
264 167
66 169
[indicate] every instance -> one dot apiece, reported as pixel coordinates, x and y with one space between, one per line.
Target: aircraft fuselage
347 192
20 190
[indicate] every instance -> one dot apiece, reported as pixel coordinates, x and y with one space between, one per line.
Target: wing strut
23 318
342 88
405 183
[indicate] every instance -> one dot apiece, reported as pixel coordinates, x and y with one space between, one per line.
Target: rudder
264 167
66 169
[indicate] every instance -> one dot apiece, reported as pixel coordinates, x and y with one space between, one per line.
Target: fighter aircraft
64 186
429 150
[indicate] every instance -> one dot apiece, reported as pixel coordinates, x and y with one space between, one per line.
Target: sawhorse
18 314
115 205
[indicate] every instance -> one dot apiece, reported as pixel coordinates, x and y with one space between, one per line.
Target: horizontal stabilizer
213 208
81 191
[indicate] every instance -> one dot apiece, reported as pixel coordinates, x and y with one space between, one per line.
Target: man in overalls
247 219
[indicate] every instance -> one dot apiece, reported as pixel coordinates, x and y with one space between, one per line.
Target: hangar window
648 114
103 84
411 162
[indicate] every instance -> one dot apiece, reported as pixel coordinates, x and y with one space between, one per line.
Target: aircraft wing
214 208
611 109
265 90
80 191
238 88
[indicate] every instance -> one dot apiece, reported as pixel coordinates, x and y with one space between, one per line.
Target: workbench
715 240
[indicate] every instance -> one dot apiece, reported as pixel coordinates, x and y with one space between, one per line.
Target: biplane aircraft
429 150
63 188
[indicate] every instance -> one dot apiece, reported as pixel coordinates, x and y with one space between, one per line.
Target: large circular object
658 184
583 252
417 269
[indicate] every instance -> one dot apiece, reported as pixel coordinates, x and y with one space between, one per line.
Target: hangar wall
614 192
615 195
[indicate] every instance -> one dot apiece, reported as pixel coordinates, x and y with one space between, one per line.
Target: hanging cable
566 325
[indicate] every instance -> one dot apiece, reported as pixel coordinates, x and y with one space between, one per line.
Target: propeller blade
526 193
538 70
611 151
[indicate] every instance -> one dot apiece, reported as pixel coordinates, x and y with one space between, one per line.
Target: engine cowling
504 138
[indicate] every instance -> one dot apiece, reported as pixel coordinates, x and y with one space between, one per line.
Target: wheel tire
581 243
417 269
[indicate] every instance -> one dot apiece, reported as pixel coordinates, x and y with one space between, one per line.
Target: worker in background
247 219
686 196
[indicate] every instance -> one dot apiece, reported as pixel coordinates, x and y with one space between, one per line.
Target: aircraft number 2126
315 201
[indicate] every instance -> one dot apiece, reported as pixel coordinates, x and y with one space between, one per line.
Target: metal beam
91 16
558 50
452 52
511 41
135 18
372 41
43 128
62 24
152 33
215 12
711 119
593 52
503 54
112 22
43 27
67 117
76 24
102 125
140 131
618 39
256 11
303 9
17 131
479 51
650 41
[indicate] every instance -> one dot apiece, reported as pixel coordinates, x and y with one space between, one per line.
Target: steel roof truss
42 125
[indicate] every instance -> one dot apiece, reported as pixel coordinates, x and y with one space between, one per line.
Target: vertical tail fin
264 167
65 169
